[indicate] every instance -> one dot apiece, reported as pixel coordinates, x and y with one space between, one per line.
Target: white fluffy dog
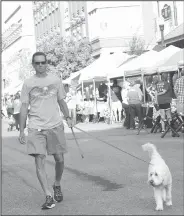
159 177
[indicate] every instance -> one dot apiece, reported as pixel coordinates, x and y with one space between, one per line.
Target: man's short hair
38 54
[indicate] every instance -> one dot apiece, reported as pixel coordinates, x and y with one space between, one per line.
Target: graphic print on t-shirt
43 92
160 87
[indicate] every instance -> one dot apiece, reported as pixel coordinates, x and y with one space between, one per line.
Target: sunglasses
38 63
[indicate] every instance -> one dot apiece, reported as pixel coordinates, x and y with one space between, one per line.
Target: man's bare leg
41 174
59 167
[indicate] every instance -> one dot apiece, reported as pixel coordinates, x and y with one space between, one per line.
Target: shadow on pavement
106 184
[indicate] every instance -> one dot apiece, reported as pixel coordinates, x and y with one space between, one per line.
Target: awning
119 72
133 66
173 62
102 67
149 64
73 76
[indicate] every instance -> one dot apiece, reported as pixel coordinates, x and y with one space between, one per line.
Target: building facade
170 14
65 17
112 24
17 35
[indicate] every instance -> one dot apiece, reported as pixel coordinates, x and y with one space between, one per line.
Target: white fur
159 177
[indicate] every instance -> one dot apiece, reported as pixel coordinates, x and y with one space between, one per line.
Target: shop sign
166 12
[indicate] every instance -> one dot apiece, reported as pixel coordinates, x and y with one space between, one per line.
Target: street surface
106 182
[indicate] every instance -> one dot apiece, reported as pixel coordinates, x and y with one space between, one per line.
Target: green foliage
26 69
66 56
136 45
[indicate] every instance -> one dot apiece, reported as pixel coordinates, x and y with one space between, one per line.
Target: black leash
80 151
112 145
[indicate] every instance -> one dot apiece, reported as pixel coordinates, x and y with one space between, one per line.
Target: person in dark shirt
103 89
164 98
117 90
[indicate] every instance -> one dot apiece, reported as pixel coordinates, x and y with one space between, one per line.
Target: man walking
43 93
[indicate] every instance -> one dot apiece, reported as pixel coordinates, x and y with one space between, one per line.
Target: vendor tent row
123 65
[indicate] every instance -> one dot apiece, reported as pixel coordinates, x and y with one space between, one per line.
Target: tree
26 69
66 56
136 45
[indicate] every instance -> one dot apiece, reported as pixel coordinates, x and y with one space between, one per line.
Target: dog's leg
164 194
116 116
158 198
168 195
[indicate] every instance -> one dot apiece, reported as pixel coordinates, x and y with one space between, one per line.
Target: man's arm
23 116
63 107
176 88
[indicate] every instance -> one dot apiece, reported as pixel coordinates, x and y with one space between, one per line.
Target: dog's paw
159 208
169 203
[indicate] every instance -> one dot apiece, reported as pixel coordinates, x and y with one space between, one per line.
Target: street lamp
161 26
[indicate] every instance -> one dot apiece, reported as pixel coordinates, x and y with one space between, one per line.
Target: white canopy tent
133 64
173 62
73 76
99 71
150 64
102 67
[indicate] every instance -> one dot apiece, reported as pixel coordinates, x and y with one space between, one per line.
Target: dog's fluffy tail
149 147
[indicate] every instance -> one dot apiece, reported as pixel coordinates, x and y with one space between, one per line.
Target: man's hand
69 122
22 138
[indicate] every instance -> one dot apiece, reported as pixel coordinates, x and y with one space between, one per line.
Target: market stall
96 75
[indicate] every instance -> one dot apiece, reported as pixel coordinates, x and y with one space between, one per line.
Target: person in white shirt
72 104
16 112
125 105
9 106
135 100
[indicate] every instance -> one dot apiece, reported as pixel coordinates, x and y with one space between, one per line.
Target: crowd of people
11 110
127 99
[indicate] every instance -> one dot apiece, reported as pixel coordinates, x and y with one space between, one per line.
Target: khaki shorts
117 106
50 141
